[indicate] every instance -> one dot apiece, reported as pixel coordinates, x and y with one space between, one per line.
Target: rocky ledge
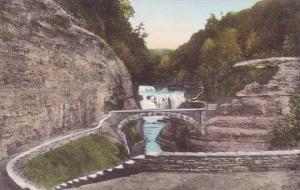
55 76
243 123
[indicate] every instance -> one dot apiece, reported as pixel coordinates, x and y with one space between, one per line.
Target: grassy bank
73 159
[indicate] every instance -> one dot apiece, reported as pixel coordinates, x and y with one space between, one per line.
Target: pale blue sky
170 23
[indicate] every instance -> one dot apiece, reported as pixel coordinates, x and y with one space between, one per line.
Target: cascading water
160 99
157 99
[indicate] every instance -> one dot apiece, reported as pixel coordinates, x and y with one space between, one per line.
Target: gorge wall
243 123
55 75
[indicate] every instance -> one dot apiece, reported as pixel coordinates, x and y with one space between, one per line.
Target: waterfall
160 99
153 98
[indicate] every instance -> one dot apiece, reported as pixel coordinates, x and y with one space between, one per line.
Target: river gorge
153 98
83 100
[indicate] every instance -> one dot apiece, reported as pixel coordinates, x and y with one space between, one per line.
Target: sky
170 23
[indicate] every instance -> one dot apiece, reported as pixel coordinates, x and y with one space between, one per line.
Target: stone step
242 122
252 106
220 133
212 145
125 169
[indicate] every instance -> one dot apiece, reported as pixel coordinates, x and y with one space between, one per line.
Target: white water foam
160 99
157 99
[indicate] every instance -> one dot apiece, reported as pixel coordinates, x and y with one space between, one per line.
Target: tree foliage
269 28
110 20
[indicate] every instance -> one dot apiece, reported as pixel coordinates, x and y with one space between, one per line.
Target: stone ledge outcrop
244 122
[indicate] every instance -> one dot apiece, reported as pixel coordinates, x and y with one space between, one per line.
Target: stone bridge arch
163 114
197 117
139 116
200 115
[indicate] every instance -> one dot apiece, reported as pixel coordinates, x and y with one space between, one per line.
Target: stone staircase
195 163
126 169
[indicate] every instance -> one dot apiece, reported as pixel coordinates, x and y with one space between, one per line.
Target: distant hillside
161 51
271 28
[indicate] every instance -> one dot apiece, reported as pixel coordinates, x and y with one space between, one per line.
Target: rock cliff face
243 123
55 75
175 136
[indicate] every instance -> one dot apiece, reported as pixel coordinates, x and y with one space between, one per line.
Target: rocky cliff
175 135
243 123
55 76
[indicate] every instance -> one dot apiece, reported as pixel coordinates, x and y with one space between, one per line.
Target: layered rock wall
55 75
243 123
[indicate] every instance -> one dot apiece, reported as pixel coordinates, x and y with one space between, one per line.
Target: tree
212 25
289 46
207 59
127 9
251 45
140 30
228 45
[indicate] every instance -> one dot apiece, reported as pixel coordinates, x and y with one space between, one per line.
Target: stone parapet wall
199 116
221 162
194 162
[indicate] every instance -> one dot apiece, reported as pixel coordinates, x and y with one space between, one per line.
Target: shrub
287 133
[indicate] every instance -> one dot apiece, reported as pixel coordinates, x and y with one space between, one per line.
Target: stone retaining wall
221 162
195 162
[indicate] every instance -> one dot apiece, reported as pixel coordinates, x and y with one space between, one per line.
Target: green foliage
72 160
160 52
287 133
126 8
235 80
225 88
6 35
110 20
270 28
133 135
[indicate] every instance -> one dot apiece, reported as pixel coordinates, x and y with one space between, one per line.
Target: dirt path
209 181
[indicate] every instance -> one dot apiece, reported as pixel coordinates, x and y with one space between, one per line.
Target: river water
153 98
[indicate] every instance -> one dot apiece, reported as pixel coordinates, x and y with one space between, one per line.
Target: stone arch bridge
197 117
